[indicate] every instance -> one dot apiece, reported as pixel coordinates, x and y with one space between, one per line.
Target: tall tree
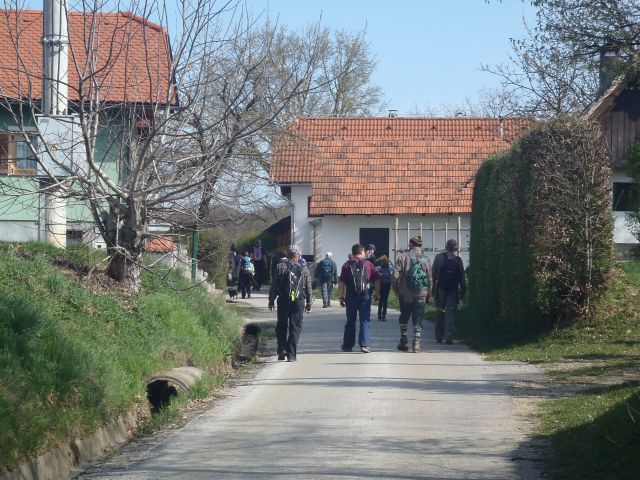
218 86
554 70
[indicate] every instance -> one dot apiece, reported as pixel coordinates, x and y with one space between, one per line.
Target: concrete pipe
163 386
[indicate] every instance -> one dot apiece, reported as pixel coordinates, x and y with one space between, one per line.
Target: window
625 196
74 237
16 158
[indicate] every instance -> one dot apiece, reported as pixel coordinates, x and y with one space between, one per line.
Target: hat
417 240
329 254
293 249
371 245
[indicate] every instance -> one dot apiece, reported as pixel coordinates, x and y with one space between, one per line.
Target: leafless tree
189 119
554 70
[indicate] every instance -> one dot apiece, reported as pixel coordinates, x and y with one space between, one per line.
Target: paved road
443 413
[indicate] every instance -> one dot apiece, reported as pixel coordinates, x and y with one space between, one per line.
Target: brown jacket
403 266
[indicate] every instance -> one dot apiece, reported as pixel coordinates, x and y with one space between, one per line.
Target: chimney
393 113
608 67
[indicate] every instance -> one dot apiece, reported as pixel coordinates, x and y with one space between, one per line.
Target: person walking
370 254
356 276
385 270
411 282
260 264
245 276
327 277
291 287
449 286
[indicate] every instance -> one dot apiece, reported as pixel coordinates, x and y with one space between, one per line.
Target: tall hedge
541 228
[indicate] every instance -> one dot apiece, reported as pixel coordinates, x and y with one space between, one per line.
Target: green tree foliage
541 239
213 255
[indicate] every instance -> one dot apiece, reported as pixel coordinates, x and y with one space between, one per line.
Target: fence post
433 236
395 242
459 237
446 230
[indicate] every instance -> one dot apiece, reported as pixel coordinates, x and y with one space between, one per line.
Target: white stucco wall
301 228
337 233
621 233
18 231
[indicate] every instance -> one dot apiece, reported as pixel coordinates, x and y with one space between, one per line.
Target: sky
428 51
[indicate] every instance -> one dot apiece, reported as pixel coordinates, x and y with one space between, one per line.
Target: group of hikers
361 279
249 270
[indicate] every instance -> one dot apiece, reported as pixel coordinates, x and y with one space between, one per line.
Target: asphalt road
443 413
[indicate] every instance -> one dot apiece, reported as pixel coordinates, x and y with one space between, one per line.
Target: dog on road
233 294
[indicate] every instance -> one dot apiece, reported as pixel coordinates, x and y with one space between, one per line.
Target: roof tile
389 165
131 54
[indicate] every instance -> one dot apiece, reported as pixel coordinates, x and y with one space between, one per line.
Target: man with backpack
411 282
354 287
327 277
385 269
245 276
291 286
449 286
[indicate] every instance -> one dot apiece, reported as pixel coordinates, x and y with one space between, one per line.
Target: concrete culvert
163 386
250 342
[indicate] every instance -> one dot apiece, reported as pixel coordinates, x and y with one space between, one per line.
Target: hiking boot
365 349
416 345
403 346
384 318
282 356
325 305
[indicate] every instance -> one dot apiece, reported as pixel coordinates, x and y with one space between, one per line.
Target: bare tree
166 125
554 70
543 78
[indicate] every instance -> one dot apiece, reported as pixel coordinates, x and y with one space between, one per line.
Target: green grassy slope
71 360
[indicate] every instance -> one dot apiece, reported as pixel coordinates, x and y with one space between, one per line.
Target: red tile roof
131 54
389 165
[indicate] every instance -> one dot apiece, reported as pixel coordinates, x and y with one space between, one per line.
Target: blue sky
428 51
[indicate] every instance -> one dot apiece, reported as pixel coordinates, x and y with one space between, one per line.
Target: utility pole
55 45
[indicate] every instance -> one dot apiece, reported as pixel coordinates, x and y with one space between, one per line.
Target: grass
594 433
71 360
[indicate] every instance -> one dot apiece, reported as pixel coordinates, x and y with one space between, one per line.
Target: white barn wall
337 233
301 229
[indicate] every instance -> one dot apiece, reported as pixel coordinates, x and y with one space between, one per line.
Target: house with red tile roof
352 179
119 58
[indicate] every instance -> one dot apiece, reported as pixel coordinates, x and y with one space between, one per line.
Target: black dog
233 294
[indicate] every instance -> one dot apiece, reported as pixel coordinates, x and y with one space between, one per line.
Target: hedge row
541 237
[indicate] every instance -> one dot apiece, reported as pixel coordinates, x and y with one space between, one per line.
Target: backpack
327 269
246 265
360 276
385 274
290 281
416 278
449 274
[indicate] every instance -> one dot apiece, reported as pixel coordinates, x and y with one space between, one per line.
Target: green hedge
541 228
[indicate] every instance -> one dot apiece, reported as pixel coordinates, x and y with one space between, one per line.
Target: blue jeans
358 305
327 287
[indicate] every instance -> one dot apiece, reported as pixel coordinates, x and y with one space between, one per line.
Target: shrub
541 238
